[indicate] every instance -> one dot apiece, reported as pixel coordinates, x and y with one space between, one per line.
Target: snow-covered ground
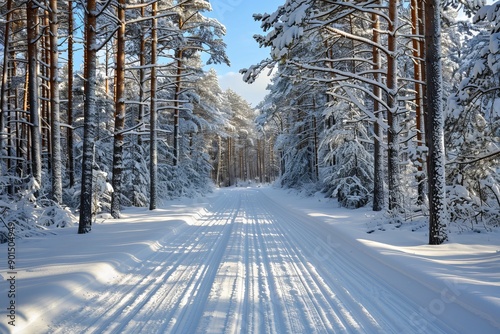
251 260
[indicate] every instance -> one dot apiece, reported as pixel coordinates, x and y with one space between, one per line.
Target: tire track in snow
247 266
382 310
187 318
298 305
116 310
268 305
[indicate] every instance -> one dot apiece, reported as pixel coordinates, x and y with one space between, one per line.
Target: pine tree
472 127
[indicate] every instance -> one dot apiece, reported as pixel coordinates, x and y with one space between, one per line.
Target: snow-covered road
248 264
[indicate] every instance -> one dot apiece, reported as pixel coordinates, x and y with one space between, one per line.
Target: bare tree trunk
33 87
142 75
435 124
178 79
219 160
229 164
89 114
20 127
378 156
28 133
260 157
70 139
395 194
137 149
316 144
153 149
119 113
45 98
56 159
417 63
4 93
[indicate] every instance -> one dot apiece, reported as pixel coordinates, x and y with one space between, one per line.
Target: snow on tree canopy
489 12
280 45
287 27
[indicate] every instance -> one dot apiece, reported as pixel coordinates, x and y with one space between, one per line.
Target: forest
389 104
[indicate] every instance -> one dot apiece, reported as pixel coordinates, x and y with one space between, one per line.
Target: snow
248 260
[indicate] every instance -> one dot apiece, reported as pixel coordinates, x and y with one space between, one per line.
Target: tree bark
435 124
45 92
4 93
153 149
33 89
56 159
219 160
70 138
378 163
417 63
178 79
119 114
89 114
395 194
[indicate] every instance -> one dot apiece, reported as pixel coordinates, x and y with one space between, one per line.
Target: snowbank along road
248 264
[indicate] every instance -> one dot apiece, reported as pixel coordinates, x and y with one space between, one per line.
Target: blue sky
242 49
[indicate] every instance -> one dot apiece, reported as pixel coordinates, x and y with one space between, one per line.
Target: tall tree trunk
423 75
228 162
4 108
25 106
315 143
219 160
260 157
70 139
153 148
395 194
21 127
417 63
378 156
178 79
45 98
142 76
89 114
33 87
56 159
137 149
119 113
435 124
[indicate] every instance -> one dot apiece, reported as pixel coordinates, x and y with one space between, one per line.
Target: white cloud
253 93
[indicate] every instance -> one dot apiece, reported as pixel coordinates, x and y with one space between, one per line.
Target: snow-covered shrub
30 215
